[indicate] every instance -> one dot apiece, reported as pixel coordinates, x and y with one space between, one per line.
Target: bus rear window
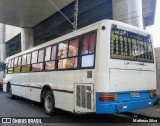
127 45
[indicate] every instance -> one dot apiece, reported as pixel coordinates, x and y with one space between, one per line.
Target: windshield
127 45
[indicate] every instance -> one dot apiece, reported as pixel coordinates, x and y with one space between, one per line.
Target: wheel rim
48 103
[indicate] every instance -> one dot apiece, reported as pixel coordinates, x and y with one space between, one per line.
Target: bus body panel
110 76
102 58
131 80
30 85
107 108
140 75
123 77
64 100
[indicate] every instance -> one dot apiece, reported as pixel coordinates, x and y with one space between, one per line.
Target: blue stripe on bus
124 100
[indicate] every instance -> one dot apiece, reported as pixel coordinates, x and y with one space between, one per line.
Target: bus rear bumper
106 108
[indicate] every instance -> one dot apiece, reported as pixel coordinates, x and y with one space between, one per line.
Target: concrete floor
25 108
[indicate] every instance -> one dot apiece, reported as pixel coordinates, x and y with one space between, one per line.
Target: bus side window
68 54
37 60
10 66
50 58
88 50
62 50
26 62
17 65
29 59
15 62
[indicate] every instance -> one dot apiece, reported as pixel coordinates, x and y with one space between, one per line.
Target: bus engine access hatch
84 98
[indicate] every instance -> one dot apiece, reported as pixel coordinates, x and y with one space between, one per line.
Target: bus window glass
53 57
67 63
62 50
87 61
50 65
88 50
48 53
19 61
34 56
131 46
9 64
92 39
12 64
24 59
37 67
16 62
26 64
28 59
41 55
73 48
85 41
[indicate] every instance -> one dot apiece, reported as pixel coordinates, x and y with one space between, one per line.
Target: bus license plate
134 94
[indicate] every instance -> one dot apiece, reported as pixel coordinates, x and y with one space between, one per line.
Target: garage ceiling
28 13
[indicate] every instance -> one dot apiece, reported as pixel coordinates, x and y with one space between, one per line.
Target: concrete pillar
128 11
2 43
27 40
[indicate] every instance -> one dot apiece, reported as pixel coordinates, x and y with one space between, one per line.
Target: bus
106 67
1 74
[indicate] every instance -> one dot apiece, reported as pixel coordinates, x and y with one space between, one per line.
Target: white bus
1 74
106 67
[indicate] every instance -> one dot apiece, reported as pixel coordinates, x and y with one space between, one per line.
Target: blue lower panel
104 108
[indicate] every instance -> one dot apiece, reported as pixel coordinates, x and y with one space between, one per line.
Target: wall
12 39
157 58
11 31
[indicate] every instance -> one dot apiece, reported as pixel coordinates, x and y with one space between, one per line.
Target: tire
11 96
49 103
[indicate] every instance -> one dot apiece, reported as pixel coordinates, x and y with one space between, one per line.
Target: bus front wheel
49 103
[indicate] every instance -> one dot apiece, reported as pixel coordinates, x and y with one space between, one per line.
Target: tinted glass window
73 48
131 46
28 58
62 50
24 57
34 56
48 53
41 55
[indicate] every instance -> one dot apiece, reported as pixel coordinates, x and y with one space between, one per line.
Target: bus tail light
148 103
123 107
153 93
107 97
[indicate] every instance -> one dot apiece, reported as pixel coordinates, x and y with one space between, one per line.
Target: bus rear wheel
49 103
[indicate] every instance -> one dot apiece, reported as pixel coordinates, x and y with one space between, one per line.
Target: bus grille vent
83 96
